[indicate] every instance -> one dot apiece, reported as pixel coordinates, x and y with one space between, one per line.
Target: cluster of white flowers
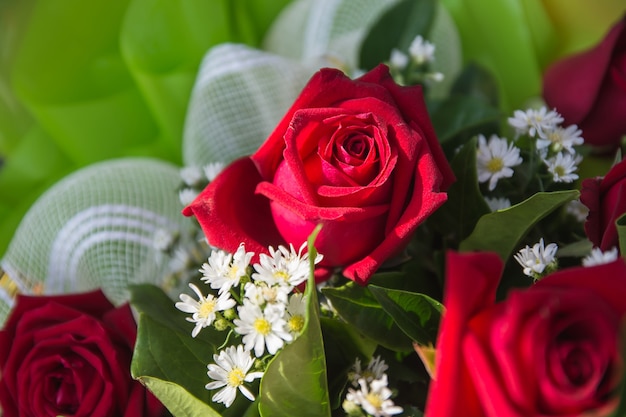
539 260
195 179
413 65
263 309
546 141
599 257
370 392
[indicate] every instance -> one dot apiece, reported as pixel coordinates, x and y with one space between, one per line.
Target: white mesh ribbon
97 228
239 96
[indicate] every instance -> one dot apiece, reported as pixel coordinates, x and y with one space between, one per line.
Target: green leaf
477 81
416 314
502 231
356 305
396 28
302 363
458 118
177 399
466 204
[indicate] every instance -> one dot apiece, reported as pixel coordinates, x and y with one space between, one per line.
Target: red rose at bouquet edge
606 200
551 349
358 156
70 355
589 89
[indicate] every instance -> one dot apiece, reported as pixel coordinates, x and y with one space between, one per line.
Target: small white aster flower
374 398
224 271
191 175
560 139
563 167
203 311
261 329
187 195
534 122
498 203
435 76
495 158
284 266
537 259
163 240
260 293
598 257
577 209
229 372
421 50
212 169
180 261
398 59
376 368
295 314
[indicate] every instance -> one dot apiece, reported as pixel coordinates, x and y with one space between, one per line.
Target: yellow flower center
281 275
559 170
296 324
495 165
232 272
375 400
262 326
235 377
206 308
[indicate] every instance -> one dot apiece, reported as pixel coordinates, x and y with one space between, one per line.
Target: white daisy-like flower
261 329
180 261
284 266
421 51
374 398
187 195
295 314
260 293
212 169
560 139
375 369
163 240
224 271
398 59
498 203
229 372
535 260
203 310
535 122
598 257
495 158
191 175
563 167
577 209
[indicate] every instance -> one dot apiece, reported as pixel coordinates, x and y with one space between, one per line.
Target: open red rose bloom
358 156
549 350
70 355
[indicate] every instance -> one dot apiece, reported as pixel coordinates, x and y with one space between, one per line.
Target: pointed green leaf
396 28
295 382
177 399
502 231
416 314
357 306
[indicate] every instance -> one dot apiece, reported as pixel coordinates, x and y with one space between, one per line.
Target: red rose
606 200
70 355
358 156
549 350
589 89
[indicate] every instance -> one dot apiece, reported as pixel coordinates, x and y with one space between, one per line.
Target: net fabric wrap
98 227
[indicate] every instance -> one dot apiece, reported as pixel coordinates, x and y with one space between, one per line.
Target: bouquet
377 212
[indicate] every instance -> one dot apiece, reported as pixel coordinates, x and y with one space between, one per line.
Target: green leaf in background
458 118
502 231
396 28
466 204
477 81
302 363
416 314
358 307
621 233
